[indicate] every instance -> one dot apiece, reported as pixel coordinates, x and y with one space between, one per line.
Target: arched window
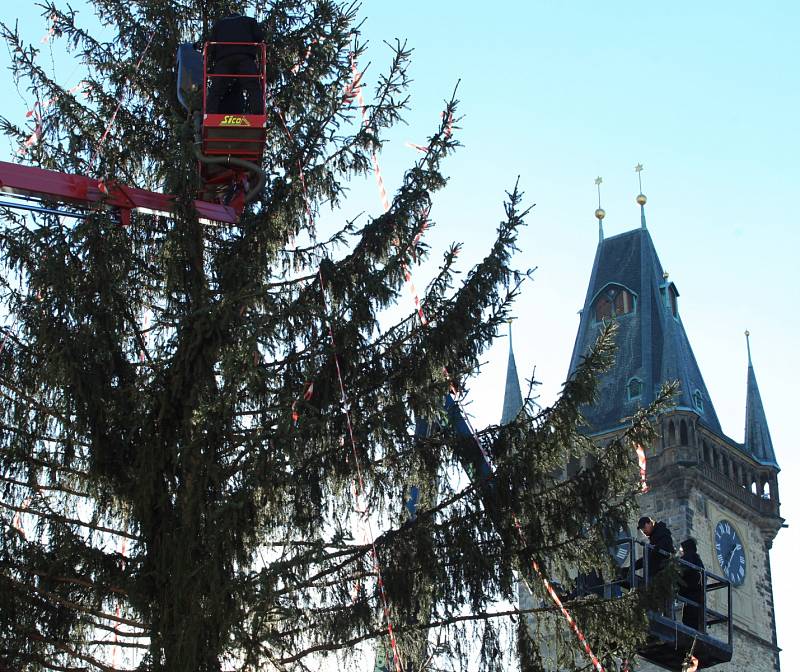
766 494
706 453
671 433
684 434
634 388
612 302
725 465
602 309
697 398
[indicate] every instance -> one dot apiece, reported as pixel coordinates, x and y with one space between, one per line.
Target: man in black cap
234 59
660 546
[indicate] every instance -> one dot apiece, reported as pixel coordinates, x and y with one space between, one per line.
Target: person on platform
691 584
234 94
660 546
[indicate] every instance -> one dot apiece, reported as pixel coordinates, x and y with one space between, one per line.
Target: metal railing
261 75
743 494
632 577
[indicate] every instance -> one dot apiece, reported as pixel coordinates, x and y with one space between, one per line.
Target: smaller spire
749 358
599 213
757 439
641 199
512 400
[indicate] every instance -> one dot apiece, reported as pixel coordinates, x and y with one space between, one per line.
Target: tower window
634 388
612 302
603 309
697 398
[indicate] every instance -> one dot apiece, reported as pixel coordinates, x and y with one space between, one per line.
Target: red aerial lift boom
228 147
88 192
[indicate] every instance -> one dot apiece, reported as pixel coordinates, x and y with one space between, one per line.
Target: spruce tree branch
42 437
30 401
39 462
68 521
44 488
73 580
64 648
402 628
52 598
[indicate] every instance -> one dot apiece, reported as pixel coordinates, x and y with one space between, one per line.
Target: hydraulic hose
239 163
228 161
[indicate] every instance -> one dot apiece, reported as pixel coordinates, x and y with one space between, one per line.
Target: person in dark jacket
660 546
227 93
691 583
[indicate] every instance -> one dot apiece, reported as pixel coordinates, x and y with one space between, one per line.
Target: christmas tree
208 443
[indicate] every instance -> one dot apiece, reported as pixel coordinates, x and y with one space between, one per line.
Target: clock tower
702 483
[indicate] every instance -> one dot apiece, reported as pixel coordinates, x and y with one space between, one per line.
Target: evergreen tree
192 414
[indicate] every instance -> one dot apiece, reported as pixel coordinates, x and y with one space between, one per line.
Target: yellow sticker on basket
234 120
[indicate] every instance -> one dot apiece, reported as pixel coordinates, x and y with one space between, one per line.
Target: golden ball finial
666 276
747 332
600 213
641 199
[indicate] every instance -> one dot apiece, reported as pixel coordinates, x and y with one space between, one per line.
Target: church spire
641 199
757 440
627 285
599 213
512 401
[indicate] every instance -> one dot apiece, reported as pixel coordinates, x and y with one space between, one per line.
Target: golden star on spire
639 168
598 181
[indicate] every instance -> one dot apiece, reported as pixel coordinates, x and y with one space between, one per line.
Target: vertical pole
632 568
645 564
730 614
205 76
264 79
705 597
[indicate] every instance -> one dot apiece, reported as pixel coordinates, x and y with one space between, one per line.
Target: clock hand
733 550
730 555
727 564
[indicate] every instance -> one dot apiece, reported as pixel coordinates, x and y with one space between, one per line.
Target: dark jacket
690 577
660 540
235 28
691 586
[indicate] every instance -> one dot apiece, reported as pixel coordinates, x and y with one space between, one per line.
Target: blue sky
705 95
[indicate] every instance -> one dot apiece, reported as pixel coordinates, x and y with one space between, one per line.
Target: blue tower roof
628 284
512 400
757 440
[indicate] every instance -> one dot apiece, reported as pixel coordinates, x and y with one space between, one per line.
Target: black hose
240 163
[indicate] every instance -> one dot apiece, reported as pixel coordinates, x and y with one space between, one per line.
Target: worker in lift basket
227 94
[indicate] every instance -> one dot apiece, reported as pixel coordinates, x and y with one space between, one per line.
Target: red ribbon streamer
642 459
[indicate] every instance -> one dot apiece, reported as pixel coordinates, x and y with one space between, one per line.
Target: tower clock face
730 552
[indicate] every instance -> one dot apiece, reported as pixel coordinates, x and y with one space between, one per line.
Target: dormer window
697 398
634 388
673 300
669 295
613 301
